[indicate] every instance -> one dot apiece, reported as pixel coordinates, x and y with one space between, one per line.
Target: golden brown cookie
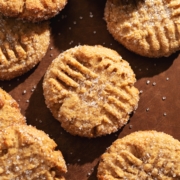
28 153
149 28
31 10
90 90
9 110
22 46
141 155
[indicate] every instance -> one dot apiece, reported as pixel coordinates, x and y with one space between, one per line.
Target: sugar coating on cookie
28 153
149 28
22 46
9 110
141 155
90 90
32 10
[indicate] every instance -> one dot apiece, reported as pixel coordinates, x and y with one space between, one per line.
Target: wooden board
81 22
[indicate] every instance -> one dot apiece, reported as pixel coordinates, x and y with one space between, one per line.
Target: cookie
31 10
148 28
90 90
141 155
28 153
9 110
22 46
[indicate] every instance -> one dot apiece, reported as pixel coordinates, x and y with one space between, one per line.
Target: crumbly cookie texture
149 28
141 155
22 46
9 110
31 10
90 90
28 153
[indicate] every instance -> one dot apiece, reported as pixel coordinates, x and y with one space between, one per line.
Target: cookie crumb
24 92
147 109
130 126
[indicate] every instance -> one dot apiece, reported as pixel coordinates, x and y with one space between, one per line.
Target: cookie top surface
28 153
149 28
22 46
90 90
9 110
141 155
31 10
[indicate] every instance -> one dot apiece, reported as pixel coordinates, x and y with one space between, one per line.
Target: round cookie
141 155
9 110
22 46
90 90
31 10
28 153
149 28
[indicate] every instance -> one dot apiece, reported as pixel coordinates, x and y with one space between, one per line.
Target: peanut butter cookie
28 153
90 90
31 10
22 46
149 28
9 110
141 155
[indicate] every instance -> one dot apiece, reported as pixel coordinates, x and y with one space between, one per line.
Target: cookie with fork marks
90 90
141 155
31 10
29 153
22 46
147 27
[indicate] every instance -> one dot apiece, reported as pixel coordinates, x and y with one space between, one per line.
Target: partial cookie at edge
148 28
22 46
9 110
141 155
32 10
28 153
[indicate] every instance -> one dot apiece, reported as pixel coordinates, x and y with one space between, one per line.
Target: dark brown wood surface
81 22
